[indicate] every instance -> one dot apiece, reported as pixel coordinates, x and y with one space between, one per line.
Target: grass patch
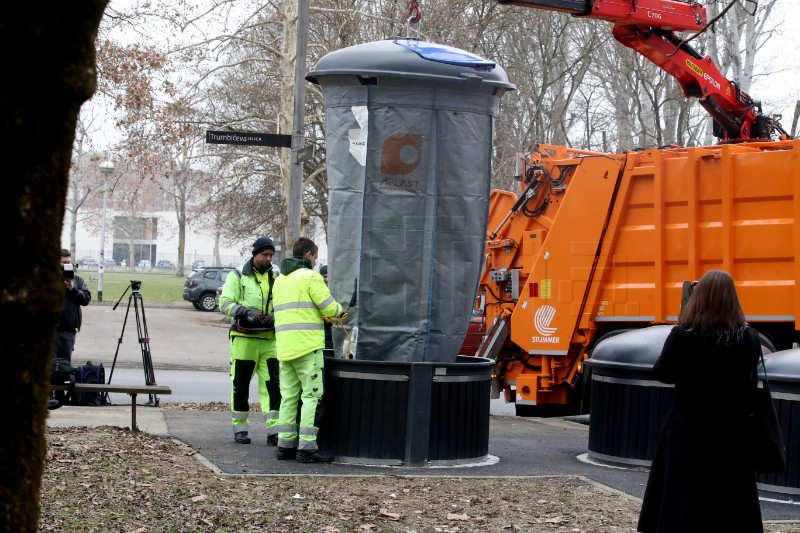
156 286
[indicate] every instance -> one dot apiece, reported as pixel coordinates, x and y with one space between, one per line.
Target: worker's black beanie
261 244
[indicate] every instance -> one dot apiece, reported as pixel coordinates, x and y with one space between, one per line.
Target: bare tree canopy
230 65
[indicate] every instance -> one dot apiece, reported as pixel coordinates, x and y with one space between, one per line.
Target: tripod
144 338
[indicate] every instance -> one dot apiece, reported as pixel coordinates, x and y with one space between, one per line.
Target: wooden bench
132 390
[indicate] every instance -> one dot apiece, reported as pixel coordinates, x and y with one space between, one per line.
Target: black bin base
407 414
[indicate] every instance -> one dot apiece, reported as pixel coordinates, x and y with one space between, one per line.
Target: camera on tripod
136 301
69 270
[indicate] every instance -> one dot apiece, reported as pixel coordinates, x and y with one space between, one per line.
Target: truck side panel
614 242
691 210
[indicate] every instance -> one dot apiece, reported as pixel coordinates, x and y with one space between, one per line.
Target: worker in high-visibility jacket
301 299
247 298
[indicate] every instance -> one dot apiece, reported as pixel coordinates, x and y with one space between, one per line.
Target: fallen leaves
139 483
390 516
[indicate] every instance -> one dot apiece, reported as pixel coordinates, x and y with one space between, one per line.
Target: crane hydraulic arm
648 27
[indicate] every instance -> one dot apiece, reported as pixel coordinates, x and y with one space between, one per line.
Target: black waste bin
407 414
783 370
628 405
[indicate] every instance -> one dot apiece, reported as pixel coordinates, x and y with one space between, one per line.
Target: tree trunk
39 103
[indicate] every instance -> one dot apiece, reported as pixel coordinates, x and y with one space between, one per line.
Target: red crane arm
648 26
735 114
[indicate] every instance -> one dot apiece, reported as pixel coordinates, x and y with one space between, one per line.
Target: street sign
248 138
306 153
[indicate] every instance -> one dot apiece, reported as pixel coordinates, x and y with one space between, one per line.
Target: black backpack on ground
90 373
62 373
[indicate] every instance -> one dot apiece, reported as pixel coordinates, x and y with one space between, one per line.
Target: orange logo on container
401 153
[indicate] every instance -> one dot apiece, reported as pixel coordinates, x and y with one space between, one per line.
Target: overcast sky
779 91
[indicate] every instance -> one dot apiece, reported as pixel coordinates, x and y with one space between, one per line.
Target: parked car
108 262
201 286
144 264
165 263
219 293
88 261
198 264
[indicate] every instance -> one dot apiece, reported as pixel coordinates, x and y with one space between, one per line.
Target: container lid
445 54
782 366
410 59
637 349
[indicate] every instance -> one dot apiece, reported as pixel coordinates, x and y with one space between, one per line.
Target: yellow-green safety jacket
301 298
246 288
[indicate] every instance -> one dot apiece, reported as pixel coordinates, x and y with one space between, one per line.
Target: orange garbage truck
597 243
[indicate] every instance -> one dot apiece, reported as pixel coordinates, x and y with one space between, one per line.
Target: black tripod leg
144 342
121 334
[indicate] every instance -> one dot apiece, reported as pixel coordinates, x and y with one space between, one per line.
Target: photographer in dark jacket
77 295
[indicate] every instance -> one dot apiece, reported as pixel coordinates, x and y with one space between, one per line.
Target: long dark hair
714 305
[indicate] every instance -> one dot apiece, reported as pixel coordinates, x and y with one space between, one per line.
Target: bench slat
108 387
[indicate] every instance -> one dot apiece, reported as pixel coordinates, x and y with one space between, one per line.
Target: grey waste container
408 132
628 406
407 414
783 370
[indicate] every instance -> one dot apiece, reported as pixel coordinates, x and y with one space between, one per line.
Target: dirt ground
111 479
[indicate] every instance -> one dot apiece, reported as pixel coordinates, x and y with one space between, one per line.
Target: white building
153 238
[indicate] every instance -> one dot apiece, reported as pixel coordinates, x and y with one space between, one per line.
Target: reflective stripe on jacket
248 290
301 298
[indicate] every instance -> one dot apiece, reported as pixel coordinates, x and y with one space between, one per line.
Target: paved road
181 338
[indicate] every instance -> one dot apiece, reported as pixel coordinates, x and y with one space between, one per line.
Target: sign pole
295 200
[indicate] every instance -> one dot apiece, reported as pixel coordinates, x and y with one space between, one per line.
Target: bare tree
84 177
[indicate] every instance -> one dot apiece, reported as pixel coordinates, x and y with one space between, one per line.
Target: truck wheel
207 302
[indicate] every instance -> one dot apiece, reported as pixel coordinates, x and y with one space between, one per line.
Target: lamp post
106 167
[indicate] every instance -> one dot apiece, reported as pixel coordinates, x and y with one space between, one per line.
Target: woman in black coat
702 478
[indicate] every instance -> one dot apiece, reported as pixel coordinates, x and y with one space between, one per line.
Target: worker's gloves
267 321
251 319
241 312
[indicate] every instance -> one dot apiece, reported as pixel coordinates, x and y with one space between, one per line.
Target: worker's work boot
272 440
306 456
241 437
286 454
